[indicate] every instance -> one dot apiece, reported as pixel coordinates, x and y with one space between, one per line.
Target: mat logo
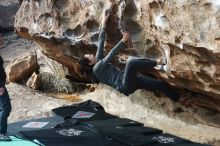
83 114
70 132
162 139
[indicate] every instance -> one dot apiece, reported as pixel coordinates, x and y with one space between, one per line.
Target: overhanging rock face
186 32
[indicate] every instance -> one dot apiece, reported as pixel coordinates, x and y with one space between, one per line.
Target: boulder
185 32
22 68
50 83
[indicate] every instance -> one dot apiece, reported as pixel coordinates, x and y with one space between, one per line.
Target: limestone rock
52 83
33 82
8 9
21 68
185 32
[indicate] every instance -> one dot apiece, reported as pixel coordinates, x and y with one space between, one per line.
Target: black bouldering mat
131 135
87 124
88 103
14 128
125 131
168 140
85 111
113 123
69 136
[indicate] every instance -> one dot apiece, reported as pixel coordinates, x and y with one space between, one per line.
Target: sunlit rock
21 68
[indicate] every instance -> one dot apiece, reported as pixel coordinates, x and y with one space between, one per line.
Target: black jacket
2 73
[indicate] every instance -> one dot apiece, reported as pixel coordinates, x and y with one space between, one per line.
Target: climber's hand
2 91
125 37
106 15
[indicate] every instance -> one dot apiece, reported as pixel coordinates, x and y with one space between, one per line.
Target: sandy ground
28 104
14 46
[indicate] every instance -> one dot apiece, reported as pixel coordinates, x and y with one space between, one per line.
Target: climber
100 69
5 104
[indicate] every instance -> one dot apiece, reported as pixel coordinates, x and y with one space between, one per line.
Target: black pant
132 80
5 109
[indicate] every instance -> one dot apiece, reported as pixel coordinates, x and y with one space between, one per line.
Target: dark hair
84 66
2 71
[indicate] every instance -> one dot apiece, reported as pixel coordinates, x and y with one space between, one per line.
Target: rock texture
8 9
185 32
21 68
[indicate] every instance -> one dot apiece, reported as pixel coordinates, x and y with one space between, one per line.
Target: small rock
21 68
